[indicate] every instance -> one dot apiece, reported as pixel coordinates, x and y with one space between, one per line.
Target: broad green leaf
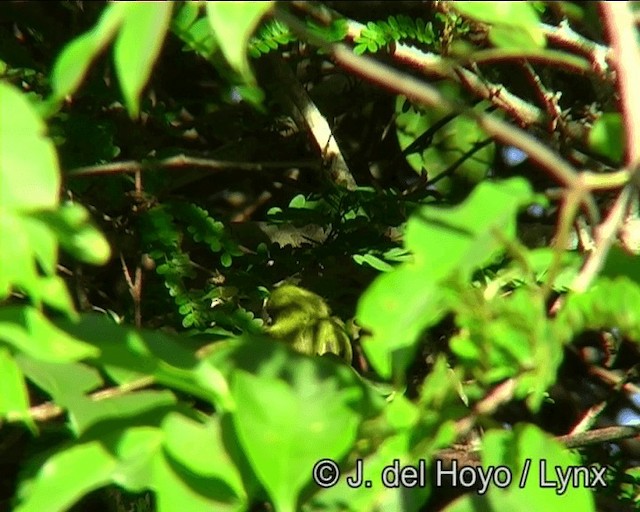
29 173
178 488
135 353
450 142
396 310
468 236
73 62
233 24
53 292
517 337
137 450
528 442
372 496
17 266
300 424
514 37
29 331
62 381
14 397
71 224
200 448
587 311
621 263
526 447
43 244
66 476
606 136
514 16
396 451
199 37
84 412
137 47
185 15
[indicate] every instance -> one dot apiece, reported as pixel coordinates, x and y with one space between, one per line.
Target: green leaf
42 242
128 354
137 47
200 448
233 24
546 456
514 38
587 311
29 174
73 62
519 17
177 488
526 446
62 381
30 332
397 311
53 292
607 136
71 225
372 261
84 412
17 265
268 421
450 143
73 472
443 241
14 396
137 450
465 237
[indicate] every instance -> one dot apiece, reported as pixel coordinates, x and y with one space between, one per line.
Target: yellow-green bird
303 320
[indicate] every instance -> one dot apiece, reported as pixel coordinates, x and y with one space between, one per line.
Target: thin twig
135 289
601 435
184 161
605 235
548 99
50 410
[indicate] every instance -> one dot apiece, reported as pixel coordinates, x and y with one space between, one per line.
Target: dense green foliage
232 265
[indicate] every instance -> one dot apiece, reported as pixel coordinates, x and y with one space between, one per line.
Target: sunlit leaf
267 422
29 174
72 472
606 136
137 47
14 397
233 24
73 62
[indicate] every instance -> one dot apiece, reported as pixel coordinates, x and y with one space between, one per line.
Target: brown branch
50 410
424 93
601 435
605 235
288 91
184 161
564 36
621 32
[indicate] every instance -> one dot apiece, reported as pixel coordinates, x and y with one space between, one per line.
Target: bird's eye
536 210
513 156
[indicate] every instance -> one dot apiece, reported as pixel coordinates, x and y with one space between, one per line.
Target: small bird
303 320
